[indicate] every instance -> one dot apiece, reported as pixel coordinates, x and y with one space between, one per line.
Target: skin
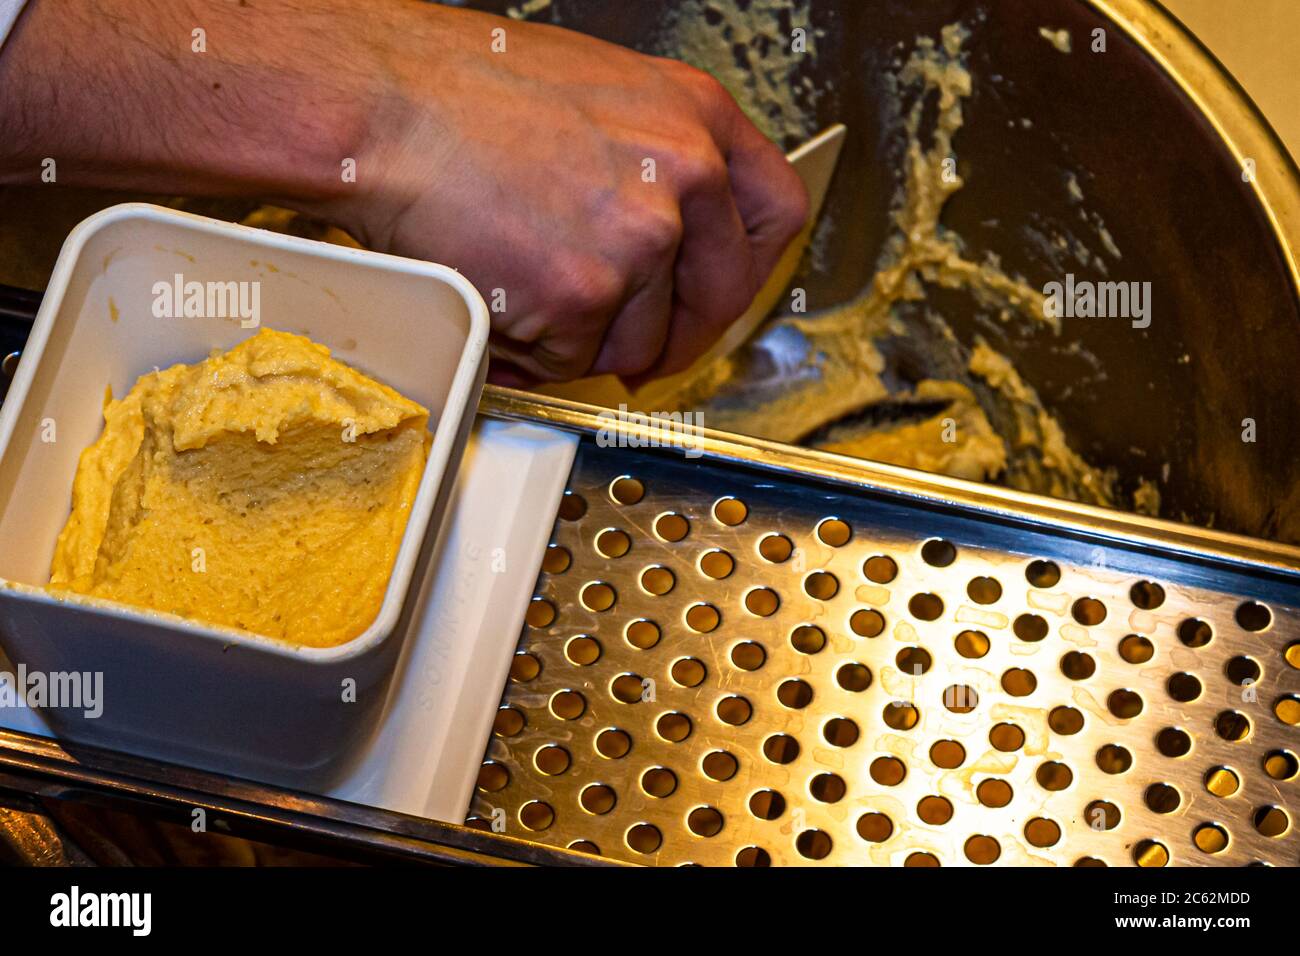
524 169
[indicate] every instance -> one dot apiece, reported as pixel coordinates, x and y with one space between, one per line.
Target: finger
638 334
506 373
771 197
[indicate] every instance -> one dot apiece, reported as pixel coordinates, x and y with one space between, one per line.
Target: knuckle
700 168
587 286
656 231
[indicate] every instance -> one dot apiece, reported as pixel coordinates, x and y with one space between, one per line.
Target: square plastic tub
173 688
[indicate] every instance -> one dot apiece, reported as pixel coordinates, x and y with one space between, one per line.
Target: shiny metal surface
1158 136
802 727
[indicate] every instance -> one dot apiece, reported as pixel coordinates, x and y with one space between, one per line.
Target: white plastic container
172 688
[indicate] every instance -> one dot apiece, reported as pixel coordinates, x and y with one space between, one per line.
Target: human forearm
115 93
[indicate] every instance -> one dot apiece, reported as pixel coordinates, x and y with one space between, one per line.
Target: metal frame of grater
1057 797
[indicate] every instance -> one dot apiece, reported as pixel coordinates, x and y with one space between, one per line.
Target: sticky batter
266 489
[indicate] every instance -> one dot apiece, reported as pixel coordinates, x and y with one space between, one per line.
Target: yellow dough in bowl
266 488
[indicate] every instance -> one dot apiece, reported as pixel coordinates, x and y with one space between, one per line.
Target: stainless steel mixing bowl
1157 134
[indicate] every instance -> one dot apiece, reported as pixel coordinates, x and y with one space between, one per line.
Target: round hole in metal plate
982 850
1019 682
626 490
1222 781
781 749
598 596
1114 759
1029 627
1151 854
1242 670
644 838
984 590
613 543
613 744
762 602
960 698
1253 616
509 722
657 580
808 639
1006 737
875 827
1210 838
659 782
880 569
834 532
552 760
867 622
689 671
1162 798
994 793
557 559
1195 633
947 754
853 677
821 585
936 811
1065 720
672 527
584 846
730 511
775 548
1146 595
705 821
1287 710
1174 742
717 564
827 788
582 651
1101 815
972 644
703 618
1232 725
1124 704
925 607
524 667
1088 611
901 715
1281 764
921 860
938 553
753 856
814 844
1053 775
1042 832
1043 574
734 710
1077 665
888 771
748 655
673 726
540 613
642 634
1183 687
719 765
493 777
536 815
628 688
572 506
794 693
840 732
1136 649
913 660
568 704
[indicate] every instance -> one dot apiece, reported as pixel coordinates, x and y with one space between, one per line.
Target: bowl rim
462 396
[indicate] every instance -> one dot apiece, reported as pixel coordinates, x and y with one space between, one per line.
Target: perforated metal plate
726 667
